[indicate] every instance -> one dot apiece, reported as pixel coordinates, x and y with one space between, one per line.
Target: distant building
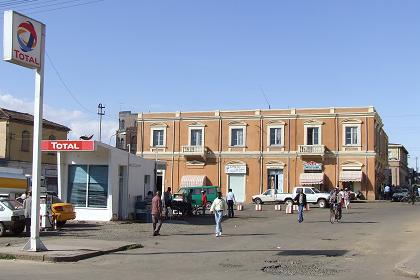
398 174
16 138
127 132
251 151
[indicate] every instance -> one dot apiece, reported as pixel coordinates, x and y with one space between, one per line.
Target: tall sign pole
24 44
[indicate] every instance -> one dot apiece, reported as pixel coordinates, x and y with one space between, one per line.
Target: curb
82 256
402 270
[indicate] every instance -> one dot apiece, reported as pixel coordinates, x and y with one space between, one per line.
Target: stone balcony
194 151
311 150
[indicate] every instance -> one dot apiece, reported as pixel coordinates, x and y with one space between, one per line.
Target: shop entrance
275 179
159 181
236 182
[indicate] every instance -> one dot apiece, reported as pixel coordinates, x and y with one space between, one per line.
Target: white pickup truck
313 195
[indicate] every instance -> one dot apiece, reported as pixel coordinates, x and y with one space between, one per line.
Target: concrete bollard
277 207
289 209
295 208
239 207
258 207
307 207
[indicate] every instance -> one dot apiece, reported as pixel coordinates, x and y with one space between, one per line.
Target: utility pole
101 112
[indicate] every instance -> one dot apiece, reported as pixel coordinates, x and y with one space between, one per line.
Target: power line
66 7
65 85
69 91
16 3
265 97
60 6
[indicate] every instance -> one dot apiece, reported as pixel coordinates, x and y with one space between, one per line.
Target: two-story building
16 140
398 174
253 150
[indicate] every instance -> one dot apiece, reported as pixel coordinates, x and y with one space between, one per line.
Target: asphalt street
367 244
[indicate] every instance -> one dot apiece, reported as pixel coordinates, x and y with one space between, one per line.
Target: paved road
372 238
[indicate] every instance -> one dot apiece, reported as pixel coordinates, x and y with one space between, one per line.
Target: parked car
313 195
399 194
211 192
63 211
267 196
12 216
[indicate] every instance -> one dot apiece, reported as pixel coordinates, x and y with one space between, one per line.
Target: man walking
156 213
218 207
27 205
204 201
167 199
301 201
230 198
387 192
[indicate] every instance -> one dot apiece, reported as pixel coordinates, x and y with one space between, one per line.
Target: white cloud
79 122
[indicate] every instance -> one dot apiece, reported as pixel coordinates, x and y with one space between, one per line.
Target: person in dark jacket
300 199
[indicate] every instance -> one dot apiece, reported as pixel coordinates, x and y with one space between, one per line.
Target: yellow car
62 211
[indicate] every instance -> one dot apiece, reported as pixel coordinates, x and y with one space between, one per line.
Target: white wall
139 167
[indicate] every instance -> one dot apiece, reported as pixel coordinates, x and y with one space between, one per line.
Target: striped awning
351 176
193 180
311 178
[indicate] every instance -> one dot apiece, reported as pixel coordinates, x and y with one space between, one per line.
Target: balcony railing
200 151
312 149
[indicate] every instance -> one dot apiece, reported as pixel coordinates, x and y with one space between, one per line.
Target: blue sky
206 55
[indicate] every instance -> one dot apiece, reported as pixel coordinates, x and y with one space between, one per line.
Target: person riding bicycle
336 199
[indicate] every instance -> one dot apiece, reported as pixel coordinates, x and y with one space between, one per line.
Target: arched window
26 141
122 143
122 124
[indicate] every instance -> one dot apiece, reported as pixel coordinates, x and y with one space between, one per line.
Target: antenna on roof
265 97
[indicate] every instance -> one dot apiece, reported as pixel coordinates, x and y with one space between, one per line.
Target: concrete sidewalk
67 250
409 267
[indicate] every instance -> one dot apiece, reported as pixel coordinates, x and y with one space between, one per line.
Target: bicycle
334 213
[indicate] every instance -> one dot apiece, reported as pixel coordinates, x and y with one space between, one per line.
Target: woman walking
218 207
347 199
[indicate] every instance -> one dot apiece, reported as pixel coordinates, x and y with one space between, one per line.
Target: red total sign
67 145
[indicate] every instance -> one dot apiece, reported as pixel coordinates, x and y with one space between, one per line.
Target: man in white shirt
387 192
218 207
230 198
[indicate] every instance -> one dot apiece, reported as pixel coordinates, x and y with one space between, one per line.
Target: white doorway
236 182
275 179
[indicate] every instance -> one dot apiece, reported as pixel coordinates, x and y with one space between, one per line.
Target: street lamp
101 112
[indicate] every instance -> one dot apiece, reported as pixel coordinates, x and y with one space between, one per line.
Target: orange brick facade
254 150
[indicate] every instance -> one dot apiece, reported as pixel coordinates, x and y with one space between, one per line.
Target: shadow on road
342 222
327 253
225 235
87 226
193 252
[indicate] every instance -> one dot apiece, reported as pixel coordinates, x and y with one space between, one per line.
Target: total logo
28 40
26 36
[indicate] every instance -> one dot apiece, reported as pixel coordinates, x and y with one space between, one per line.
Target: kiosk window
88 185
